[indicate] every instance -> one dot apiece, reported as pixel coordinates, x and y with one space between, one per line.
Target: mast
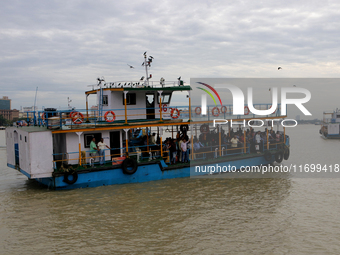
35 101
147 63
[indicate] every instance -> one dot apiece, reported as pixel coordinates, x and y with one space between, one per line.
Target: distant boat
330 125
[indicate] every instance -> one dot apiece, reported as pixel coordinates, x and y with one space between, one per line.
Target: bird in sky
130 66
279 68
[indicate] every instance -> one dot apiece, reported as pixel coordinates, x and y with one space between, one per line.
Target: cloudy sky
63 46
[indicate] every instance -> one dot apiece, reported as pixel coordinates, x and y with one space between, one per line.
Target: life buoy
279 156
175 116
267 156
246 110
107 119
224 109
286 153
198 110
77 118
213 111
129 166
72 180
72 113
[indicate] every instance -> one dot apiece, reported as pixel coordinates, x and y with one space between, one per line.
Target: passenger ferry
137 123
330 125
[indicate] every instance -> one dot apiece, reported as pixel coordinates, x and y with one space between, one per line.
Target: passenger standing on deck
152 143
234 142
258 140
93 148
184 147
101 147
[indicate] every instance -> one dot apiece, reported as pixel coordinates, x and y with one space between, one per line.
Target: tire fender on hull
129 166
69 180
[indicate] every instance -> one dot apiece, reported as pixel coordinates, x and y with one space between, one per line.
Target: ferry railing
154 152
79 118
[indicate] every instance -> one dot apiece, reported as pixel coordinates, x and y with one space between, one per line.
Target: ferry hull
144 173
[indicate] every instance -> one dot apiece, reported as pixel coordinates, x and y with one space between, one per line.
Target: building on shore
5 109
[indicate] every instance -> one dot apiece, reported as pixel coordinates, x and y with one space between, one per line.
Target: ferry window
20 138
130 98
88 138
25 139
105 100
165 98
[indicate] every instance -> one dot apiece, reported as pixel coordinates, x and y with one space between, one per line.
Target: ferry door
59 149
150 105
16 147
115 143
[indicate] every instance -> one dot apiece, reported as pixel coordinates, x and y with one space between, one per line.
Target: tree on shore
3 121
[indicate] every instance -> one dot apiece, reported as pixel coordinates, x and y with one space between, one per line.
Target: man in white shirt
101 146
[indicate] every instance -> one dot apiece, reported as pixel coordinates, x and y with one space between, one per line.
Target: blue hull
144 173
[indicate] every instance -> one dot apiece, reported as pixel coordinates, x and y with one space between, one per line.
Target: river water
291 215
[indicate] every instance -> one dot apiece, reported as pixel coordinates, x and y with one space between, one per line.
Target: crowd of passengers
178 148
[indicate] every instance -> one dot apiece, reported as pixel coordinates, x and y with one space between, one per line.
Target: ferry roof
174 88
31 129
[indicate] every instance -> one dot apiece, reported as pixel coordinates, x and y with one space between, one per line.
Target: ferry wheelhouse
56 150
330 125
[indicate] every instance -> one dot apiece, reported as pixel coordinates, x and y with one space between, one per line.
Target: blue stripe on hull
144 173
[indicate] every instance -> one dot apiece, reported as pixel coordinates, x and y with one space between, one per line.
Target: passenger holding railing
101 146
93 149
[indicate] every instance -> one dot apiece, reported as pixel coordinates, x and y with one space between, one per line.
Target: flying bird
142 78
279 68
179 78
130 66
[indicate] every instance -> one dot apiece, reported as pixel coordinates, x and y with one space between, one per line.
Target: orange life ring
246 110
72 113
77 118
177 113
214 112
198 110
113 116
224 108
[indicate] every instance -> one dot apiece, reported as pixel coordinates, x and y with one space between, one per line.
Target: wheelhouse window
130 98
165 98
88 138
105 100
